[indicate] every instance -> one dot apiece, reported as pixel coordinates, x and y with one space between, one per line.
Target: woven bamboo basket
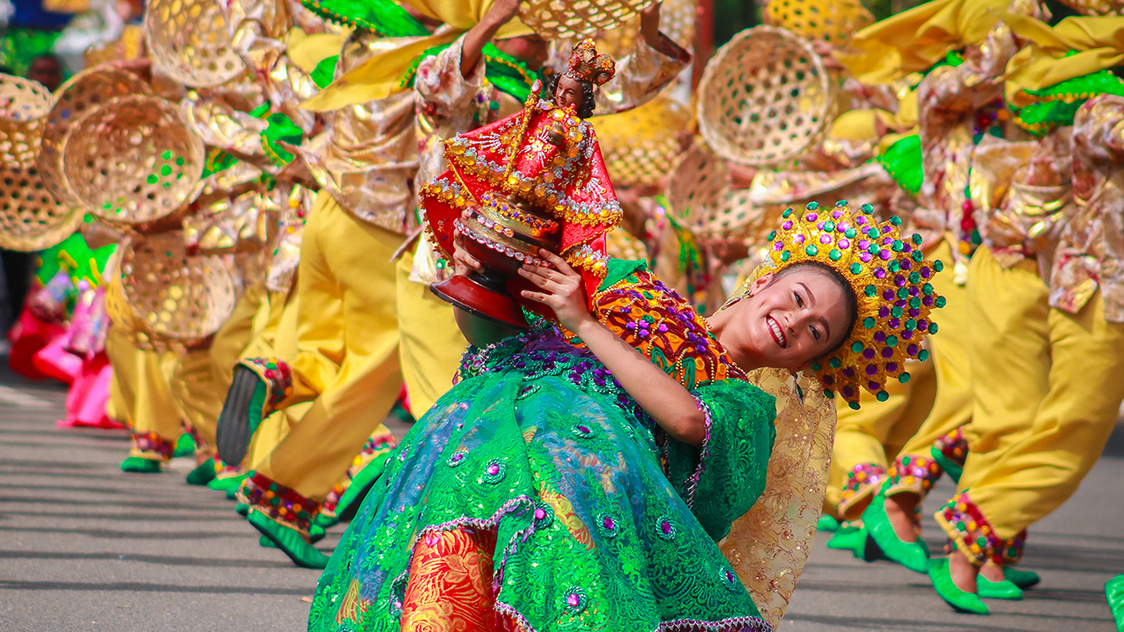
763 98
832 21
133 160
640 146
182 297
80 94
30 217
677 21
557 19
703 202
192 42
23 107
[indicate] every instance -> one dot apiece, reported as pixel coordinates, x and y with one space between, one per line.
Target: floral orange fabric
450 587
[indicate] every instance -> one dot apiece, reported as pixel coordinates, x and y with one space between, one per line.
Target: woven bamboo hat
553 19
192 41
764 97
23 106
74 99
640 146
183 297
703 202
133 160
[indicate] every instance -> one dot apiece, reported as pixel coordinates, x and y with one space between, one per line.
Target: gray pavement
85 547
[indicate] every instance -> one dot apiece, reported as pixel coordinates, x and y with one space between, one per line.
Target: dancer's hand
563 290
463 263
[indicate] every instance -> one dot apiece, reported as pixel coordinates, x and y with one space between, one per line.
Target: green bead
894 266
811 251
903 293
891 341
849 233
882 396
904 378
165 171
915 303
835 254
785 255
815 366
853 405
872 233
856 268
910 324
151 179
933 328
869 322
916 239
923 355
828 226
866 208
870 290
828 394
787 213
167 155
917 256
874 249
938 265
940 302
811 206
896 221
905 460
835 363
276 500
896 312
494 105
841 203
897 246
273 487
914 277
857 347
179 161
927 289
772 236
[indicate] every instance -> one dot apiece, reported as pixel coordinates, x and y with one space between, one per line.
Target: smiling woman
564 480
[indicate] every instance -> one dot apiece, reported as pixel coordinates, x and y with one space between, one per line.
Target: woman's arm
669 404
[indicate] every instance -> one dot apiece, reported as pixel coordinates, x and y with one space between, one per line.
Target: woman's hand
562 290
463 263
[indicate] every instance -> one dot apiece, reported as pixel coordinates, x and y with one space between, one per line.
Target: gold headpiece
587 65
892 283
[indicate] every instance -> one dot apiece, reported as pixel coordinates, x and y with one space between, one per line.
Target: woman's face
569 92
788 321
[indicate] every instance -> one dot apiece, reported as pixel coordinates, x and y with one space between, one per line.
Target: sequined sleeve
444 94
723 479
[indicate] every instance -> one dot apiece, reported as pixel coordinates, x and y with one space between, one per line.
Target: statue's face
568 93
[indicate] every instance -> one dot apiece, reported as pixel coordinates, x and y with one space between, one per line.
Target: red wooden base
485 302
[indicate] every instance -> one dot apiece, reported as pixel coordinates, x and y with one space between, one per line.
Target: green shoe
847 539
185 446
954 470
352 499
1114 592
827 523
289 541
959 600
1005 589
1022 579
242 509
325 521
266 543
316 534
229 482
137 465
203 474
912 555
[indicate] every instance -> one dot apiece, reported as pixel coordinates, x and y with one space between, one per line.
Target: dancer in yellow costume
957 106
1048 287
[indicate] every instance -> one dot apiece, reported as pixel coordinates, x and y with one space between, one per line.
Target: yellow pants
362 328
1047 394
141 393
277 338
202 376
935 401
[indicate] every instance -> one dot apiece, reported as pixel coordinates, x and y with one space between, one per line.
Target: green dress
599 521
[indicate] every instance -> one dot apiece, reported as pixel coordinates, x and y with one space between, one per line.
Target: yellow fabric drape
914 40
1098 42
307 51
381 75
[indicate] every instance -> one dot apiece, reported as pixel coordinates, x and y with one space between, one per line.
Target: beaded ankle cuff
913 475
863 481
276 376
953 446
282 504
377 444
152 446
970 533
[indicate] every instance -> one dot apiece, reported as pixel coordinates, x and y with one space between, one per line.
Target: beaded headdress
587 65
891 280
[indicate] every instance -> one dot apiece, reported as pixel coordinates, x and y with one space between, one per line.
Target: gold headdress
587 65
892 283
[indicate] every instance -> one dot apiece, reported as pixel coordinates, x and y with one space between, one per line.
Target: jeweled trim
282 504
954 446
277 377
970 533
862 481
913 475
152 446
692 485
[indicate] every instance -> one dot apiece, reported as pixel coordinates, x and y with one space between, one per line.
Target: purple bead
539 513
883 312
887 353
787 225
868 354
895 323
798 239
836 214
879 273
811 217
493 469
888 295
860 220
879 336
824 239
914 313
885 254
584 429
865 256
608 523
665 526
573 600
864 244
891 367
844 243
911 350
871 369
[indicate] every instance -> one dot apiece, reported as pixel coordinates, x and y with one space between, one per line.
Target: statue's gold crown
892 282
